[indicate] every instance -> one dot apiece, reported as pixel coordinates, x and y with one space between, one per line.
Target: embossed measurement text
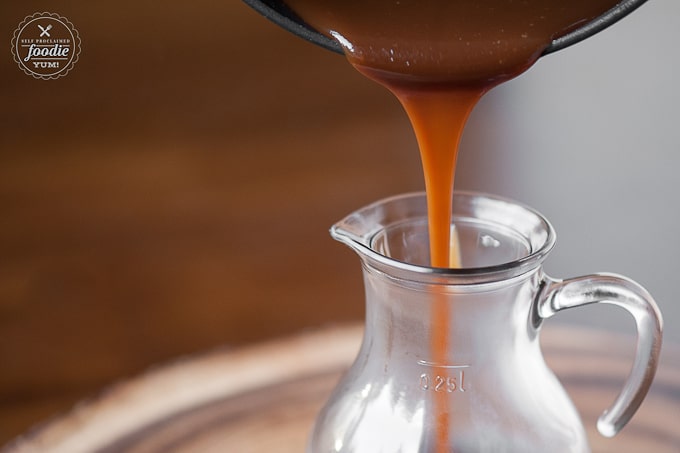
443 378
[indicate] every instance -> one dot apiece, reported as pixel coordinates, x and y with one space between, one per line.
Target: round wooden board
264 398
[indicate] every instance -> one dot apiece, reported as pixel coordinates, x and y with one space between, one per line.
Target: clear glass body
493 384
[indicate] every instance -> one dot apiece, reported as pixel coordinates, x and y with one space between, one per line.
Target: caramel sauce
439 57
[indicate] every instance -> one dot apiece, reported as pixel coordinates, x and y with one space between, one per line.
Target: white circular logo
46 46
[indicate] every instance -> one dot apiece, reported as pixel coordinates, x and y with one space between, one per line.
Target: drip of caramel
439 57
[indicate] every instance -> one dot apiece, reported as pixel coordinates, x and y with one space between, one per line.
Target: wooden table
264 398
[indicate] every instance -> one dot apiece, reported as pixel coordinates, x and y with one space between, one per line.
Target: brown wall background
173 193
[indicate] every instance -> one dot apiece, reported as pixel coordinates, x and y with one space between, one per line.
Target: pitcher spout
392 234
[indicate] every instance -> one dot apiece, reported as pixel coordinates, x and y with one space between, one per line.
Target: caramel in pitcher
439 57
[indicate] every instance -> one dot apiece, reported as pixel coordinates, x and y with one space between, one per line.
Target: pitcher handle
557 295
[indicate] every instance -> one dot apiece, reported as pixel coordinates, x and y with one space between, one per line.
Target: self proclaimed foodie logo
46 46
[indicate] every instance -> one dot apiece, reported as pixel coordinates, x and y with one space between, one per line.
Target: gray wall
590 136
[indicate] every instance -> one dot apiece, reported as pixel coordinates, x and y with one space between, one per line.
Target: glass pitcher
492 391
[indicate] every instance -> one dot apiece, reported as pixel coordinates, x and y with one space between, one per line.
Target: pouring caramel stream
439 57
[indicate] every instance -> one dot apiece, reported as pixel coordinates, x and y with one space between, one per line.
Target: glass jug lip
359 229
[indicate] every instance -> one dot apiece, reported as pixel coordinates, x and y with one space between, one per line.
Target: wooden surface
264 398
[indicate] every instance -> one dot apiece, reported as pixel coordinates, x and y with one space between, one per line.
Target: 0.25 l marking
442 378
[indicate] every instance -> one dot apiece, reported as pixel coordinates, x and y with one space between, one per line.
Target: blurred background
172 194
